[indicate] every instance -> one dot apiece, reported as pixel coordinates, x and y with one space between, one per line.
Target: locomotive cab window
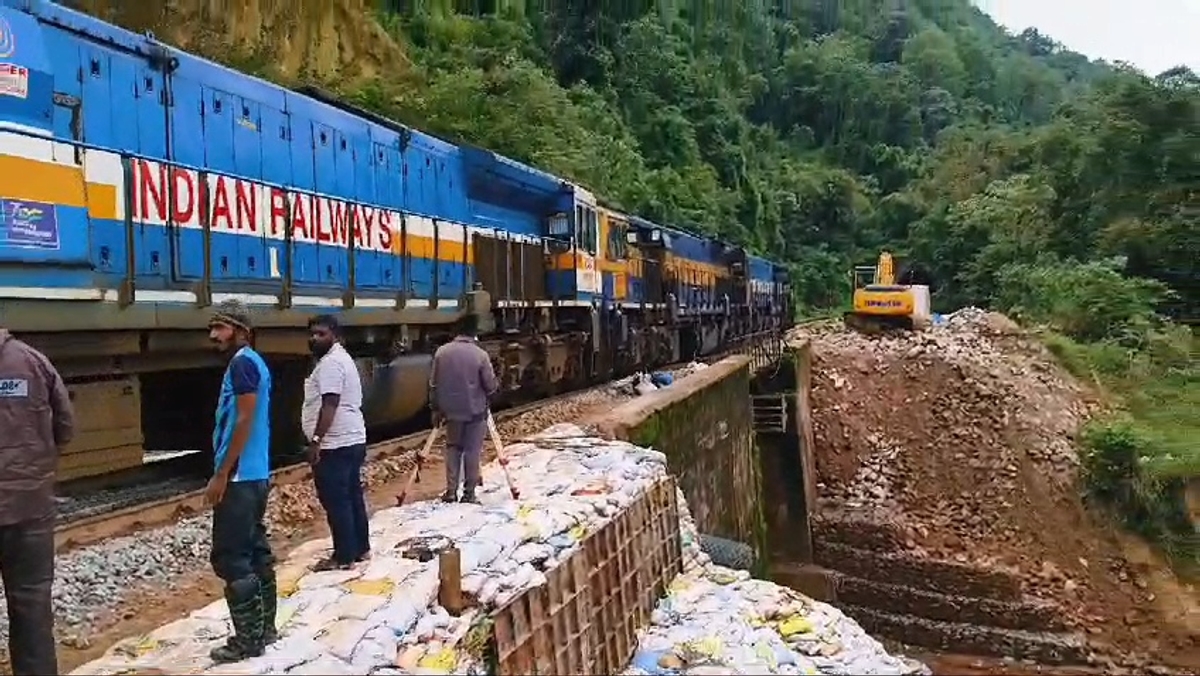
616 240
586 235
592 234
580 226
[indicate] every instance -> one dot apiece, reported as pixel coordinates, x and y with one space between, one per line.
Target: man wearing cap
333 422
241 553
36 420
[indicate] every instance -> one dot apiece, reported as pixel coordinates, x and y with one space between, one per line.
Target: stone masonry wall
703 424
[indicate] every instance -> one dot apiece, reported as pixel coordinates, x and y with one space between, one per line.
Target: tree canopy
819 132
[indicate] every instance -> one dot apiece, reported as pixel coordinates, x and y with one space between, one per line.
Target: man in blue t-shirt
241 553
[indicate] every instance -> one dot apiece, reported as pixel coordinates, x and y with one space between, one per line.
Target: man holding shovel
460 382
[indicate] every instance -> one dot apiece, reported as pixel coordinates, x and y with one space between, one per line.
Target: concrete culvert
728 553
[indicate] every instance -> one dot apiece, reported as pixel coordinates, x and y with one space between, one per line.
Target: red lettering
151 190
247 206
385 231
135 204
340 216
317 221
185 201
220 210
204 201
299 223
278 211
364 224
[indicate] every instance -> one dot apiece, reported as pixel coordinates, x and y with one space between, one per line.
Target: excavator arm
885 270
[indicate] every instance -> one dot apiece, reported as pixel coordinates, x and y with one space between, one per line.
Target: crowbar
500 457
415 475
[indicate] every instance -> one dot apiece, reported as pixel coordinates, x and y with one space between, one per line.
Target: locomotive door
652 274
739 294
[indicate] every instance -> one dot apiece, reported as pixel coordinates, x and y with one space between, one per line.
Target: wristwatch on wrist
316 439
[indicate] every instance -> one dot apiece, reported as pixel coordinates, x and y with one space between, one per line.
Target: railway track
159 493
181 497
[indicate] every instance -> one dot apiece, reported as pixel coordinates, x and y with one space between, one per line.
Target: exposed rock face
316 39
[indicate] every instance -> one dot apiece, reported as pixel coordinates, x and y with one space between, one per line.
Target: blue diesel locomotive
140 184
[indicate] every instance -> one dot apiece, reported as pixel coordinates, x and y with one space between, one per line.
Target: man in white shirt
337 448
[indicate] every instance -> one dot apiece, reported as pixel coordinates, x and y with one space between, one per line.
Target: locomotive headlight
656 235
631 237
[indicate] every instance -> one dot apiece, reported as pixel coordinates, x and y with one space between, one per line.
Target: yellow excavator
880 304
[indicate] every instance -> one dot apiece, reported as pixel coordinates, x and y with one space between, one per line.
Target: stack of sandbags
382 616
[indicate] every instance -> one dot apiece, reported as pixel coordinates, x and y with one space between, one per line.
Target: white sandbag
314 608
376 649
341 637
326 666
356 606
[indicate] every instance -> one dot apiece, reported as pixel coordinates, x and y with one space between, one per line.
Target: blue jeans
338 476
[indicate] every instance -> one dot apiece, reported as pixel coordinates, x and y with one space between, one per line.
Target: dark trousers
241 553
464 447
338 476
27 566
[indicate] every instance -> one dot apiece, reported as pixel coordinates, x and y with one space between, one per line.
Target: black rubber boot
268 594
469 497
245 612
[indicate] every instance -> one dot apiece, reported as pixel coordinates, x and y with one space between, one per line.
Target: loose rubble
382 617
641 383
959 443
951 433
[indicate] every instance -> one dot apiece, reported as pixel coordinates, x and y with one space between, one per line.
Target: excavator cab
881 304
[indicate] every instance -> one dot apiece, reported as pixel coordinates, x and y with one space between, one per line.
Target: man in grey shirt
333 422
460 383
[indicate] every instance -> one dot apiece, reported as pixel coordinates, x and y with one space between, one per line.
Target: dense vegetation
1018 174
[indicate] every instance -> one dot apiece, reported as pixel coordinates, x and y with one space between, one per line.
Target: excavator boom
885 272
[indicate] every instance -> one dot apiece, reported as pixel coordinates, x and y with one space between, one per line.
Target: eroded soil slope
321 40
962 439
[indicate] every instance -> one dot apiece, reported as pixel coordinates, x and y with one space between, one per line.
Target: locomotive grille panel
510 270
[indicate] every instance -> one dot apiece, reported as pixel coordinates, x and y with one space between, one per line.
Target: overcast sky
1153 35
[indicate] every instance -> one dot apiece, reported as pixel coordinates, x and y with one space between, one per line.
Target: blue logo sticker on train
28 225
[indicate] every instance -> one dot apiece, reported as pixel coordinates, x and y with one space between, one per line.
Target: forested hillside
813 130
1018 174
822 132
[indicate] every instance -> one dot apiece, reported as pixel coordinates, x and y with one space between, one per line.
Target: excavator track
877 324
